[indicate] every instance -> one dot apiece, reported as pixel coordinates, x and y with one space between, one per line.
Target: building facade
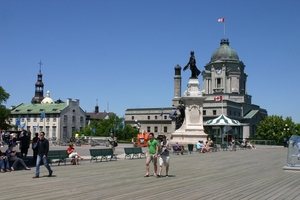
57 119
224 76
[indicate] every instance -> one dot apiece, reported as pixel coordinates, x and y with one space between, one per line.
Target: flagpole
222 106
224 30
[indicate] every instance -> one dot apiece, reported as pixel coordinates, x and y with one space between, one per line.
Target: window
41 119
204 112
53 131
41 128
230 112
155 117
165 129
73 119
73 130
148 129
219 82
132 117
48 119
148 117
34 119
65 132
65 118
47 131
28 120
23 119
155 129
54 118
165 117
214 112
81 119
234 113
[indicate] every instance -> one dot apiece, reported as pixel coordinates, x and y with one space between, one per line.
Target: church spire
39 87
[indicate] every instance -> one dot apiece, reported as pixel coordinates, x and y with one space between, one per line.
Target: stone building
224 76
57 119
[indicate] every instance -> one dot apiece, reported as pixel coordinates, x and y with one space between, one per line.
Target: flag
93 131
117 127
89 122
18 120
123 124
42 115
27 117
115 119
173 114
22 126
161 114
218 98
36 126
221 20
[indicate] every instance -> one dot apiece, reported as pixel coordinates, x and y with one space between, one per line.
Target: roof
223 121
99 115
38 108
224 52
251 114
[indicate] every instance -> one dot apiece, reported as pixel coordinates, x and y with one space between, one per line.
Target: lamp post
286 129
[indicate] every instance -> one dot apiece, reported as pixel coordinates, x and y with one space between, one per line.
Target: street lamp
137 125
286 129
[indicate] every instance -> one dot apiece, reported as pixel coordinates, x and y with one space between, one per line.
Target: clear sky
123 53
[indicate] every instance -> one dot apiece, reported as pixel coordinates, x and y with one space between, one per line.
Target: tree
113 124
276 128
4 112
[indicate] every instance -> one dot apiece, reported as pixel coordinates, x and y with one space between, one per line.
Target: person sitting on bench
12 156
73 154
178 148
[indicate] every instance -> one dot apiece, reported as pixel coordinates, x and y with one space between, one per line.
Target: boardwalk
244 174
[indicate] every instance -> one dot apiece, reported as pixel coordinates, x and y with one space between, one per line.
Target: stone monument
189 115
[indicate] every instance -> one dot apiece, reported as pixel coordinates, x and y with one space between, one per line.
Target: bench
60 155
102 153
224 147
132 152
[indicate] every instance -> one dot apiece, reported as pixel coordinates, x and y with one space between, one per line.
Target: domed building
224 84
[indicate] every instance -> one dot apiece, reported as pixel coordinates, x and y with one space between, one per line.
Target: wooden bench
60 155
224 147
102 153
132 152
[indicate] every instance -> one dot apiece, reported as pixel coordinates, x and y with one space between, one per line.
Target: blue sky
123 53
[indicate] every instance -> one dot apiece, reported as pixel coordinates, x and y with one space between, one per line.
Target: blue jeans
4 163
38 162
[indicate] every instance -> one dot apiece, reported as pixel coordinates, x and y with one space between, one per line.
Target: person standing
152 155
25 142
43 149
35 146
164 158
112 142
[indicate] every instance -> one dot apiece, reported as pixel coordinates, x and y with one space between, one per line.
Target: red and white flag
219 98
221 20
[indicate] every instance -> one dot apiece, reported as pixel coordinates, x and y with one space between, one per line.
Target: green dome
224 52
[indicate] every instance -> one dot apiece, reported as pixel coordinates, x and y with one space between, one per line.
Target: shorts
73 155
112 147
150 157
164 160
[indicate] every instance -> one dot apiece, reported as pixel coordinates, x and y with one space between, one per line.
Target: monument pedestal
192 129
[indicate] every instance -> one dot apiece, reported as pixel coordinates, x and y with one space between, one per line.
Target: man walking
152 155
43 149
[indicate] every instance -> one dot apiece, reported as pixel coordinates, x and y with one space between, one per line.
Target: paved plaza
244 174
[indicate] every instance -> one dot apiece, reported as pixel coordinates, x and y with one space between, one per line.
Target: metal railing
271 143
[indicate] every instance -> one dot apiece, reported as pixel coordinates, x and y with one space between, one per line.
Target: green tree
113 124
276 128
4 112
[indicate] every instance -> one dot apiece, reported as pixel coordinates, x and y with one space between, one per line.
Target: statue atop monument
192 65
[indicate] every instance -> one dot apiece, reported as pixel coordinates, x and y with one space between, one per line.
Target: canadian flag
221 20
219 98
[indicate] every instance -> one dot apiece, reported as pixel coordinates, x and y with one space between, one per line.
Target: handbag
35 144
115 144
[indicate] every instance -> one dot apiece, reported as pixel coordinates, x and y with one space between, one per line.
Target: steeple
96 108
39 87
